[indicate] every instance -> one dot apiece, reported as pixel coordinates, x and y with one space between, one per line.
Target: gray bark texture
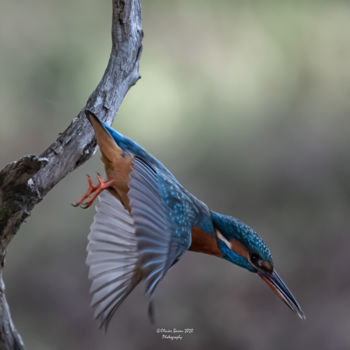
25 182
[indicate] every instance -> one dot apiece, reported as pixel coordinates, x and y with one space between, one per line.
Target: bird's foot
93 191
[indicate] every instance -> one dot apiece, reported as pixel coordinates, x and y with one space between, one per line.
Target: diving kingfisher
146 220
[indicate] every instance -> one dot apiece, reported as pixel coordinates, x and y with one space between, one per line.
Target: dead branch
25 182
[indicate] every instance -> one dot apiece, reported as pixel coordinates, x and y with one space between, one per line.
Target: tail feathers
112 257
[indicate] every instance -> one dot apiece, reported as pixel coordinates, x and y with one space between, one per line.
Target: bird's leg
97 190
90 190
93 190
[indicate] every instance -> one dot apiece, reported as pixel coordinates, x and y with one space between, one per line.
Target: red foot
93 192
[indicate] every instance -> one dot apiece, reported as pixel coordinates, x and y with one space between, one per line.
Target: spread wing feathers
154 230
112 257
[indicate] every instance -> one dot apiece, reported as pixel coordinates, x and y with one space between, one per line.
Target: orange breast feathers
203 242
117 165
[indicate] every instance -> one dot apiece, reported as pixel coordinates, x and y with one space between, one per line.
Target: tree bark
25 182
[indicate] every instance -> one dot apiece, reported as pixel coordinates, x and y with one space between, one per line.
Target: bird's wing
112 257
125 248
162 221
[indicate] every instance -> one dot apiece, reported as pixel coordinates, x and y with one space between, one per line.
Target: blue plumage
183 208
235 229
164 220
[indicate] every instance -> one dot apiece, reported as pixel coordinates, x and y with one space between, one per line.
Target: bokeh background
248 103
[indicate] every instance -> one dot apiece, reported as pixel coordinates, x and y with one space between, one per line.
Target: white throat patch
222 238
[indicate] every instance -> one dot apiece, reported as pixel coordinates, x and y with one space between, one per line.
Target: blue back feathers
183 209
128 145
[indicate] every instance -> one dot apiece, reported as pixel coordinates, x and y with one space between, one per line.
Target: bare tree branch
25 182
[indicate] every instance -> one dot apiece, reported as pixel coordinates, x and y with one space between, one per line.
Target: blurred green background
248 103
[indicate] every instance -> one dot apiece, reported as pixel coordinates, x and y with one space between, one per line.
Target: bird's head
239 244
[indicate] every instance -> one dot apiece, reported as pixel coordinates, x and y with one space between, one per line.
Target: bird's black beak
274 281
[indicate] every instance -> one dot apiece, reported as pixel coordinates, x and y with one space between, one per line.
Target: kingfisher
146 220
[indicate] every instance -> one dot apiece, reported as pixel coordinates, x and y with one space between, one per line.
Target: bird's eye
257 260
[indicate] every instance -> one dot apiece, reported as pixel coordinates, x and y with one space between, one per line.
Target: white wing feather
112 257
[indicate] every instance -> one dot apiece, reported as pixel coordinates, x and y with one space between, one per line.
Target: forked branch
25 182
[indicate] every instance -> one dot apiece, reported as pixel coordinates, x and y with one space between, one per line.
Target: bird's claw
93 191
84 206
